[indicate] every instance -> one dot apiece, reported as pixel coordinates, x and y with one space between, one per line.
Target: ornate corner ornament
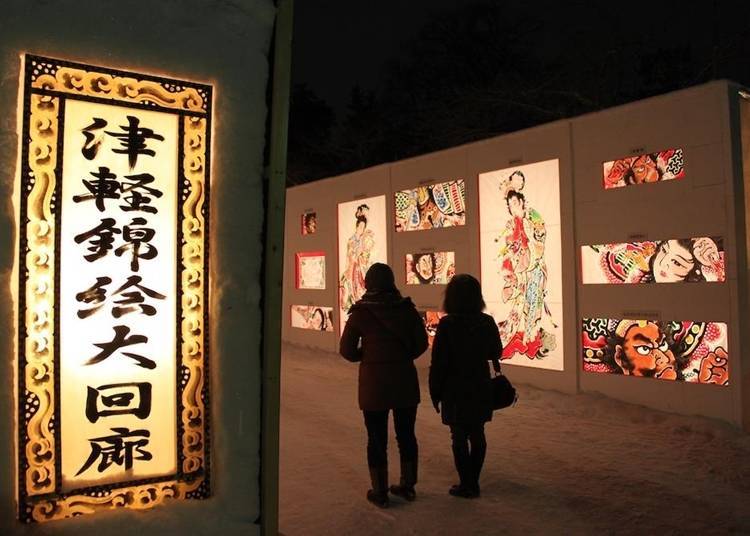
46 489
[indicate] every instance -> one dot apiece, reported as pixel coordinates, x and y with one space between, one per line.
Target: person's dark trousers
377 440
469 449
377 450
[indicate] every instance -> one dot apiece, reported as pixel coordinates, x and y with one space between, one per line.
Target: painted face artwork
645 352
666 261
432 268
682 351
672 262
312 317
431 320
309 223
431 207
644 168
519 222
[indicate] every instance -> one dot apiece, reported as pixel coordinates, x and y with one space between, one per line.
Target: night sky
340 43
438 73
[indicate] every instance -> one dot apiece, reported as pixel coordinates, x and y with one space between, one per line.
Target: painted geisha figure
523 271
359 248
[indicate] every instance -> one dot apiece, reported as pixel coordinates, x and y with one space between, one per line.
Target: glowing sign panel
114 296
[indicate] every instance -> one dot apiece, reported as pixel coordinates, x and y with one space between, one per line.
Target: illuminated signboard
113 290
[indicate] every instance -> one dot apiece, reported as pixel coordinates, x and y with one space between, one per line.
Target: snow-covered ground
556 464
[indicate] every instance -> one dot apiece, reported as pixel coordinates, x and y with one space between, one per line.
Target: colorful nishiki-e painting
430 268
686 351
312 317
644 168
311 270
431 207
431 320
521 261
680 260
362 241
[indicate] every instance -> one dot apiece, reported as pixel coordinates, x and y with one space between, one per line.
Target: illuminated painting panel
687 351
362 241
312 317
309 221
431 320
644 168
521 261
662 261
113 290
431 207
311 270
430 268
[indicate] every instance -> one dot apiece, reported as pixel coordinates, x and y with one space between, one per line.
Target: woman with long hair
385 334
460 381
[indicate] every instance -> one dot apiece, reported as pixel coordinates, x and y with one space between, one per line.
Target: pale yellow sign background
79 336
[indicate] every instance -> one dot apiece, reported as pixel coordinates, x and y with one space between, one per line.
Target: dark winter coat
385 334
459 373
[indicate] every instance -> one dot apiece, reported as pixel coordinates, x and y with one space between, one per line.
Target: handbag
503 392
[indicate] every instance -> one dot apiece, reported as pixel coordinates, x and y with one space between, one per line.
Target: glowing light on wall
113 290
688 351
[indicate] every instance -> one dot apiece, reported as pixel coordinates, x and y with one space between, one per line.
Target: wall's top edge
723 84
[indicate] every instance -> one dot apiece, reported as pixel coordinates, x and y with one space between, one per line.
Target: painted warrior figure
524 276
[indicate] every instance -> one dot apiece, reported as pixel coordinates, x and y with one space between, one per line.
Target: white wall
223 43
699 120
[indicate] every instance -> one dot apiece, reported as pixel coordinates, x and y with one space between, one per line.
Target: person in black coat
460 380
385 334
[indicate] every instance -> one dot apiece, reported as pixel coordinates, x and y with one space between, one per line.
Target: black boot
405 488
378 495
465 488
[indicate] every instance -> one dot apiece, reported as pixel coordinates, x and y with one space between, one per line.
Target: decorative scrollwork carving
121 88
136 497
193 329
40 294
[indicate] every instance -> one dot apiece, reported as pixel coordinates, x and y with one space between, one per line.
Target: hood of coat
389 307
472 323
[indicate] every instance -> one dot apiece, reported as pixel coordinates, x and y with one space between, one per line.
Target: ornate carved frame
48 84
